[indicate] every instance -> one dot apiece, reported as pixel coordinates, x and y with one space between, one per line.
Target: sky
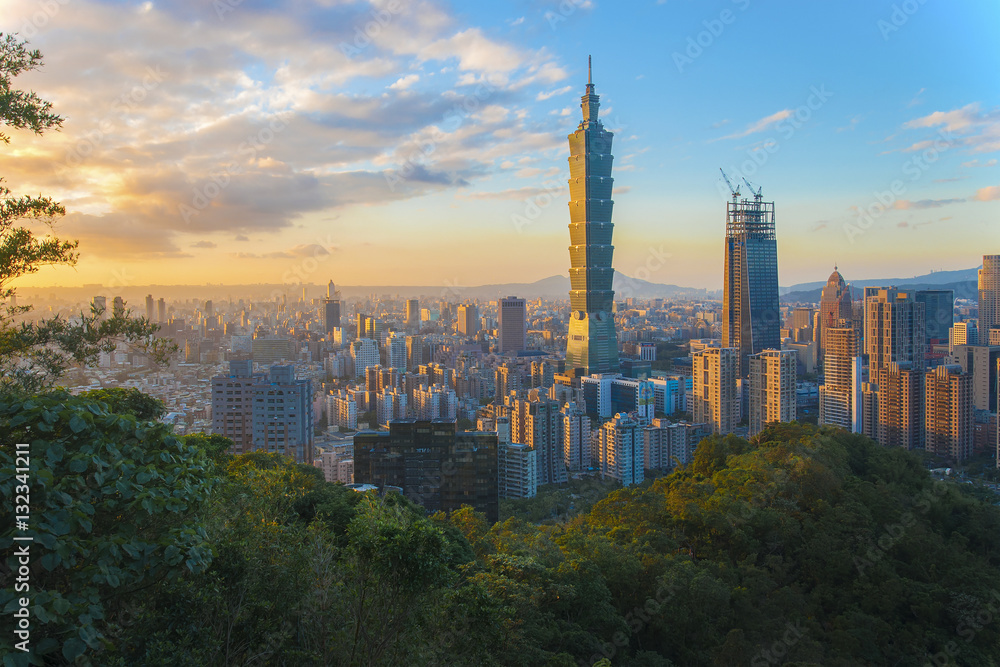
396 142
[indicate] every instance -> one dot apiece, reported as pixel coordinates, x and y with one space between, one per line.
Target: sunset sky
424 143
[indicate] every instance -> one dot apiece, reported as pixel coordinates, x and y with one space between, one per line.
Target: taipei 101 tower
592 344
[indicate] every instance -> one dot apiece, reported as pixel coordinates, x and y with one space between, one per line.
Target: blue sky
425 142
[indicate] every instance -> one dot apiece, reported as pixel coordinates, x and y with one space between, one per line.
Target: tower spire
590 78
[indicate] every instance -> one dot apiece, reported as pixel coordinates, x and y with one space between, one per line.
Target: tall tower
592 343
513 319
750 311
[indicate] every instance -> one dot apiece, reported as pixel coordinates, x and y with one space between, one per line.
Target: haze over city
423 143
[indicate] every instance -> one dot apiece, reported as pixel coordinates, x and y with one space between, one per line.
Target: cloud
976 130
552 93
405 82
623 190
905 204
916 99
853 123
715 126
241 237
991 193
760 125
203 244
973 164
516 194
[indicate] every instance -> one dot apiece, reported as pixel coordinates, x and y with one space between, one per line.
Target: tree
128 401
34 354
114 506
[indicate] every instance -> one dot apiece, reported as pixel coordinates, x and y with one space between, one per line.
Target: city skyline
242 142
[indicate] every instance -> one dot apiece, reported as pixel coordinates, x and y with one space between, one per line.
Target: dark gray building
592 342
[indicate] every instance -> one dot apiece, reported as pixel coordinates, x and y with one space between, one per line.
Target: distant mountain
966 289
929 281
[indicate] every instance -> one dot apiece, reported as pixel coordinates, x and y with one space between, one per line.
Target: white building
622 450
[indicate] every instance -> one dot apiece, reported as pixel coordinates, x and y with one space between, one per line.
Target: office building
364 352
939 314
621 450
412 315
150 310
989 295
948 413
980 362
772 389
714 400
396 351
232 404
331 309
161 311
468 319
283 414
962 333
750 312
435 465
840 394
592 341
512 325
834 305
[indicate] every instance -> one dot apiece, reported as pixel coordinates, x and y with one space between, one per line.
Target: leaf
73 648
77 424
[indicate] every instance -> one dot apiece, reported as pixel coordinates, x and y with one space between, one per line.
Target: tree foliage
34 354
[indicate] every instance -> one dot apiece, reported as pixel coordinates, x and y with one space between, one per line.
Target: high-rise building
283 414
150 311
331 309
962 333
948 412
621 450
412 314
118 307
506 379
980 363
468 319
518 471
840 394
834 305
772 388
895 345
435 465
414 352
364 351
939 314
989 295
161 311
714 399
750 312
539 424
512 325
576 438
232 404
592 341
667 445
396 345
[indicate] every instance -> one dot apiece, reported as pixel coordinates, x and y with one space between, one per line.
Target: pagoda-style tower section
592 345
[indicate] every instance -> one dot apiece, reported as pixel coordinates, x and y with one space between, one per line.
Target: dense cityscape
593 468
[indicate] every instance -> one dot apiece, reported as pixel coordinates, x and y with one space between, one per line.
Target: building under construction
750 311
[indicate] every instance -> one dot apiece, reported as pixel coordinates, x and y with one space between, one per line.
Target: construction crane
756 193
735 191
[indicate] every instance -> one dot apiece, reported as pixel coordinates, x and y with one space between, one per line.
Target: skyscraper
232 404
834 305
161 311
750 312
840 394
412 315
331 309
772 388
468 319
621 452
513 320
592 342
149 308
283 414
714 398
939 313
948 412
989 295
